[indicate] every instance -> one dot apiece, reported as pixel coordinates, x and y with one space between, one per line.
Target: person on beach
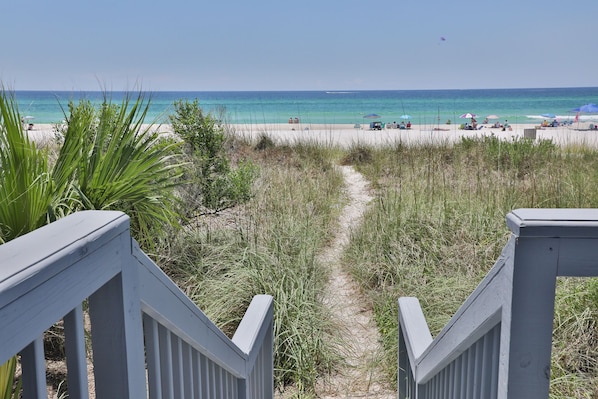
296 120
291 120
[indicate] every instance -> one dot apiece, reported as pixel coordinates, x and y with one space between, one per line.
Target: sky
237 45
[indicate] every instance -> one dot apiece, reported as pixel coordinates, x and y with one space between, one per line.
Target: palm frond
121 162
25 184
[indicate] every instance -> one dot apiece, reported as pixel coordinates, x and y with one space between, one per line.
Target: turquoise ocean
334 107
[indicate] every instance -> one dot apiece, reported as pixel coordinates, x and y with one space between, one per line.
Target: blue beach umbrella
587 109
372 116
405 116
548 115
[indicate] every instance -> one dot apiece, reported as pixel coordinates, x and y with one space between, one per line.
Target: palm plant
26 191
109 159
120 163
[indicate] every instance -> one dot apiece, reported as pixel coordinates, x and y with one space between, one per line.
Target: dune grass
438 225
269 245
435 228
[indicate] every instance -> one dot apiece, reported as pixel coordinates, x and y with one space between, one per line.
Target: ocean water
332 107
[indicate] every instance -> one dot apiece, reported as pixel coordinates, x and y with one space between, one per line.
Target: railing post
117 333
529 334
550 243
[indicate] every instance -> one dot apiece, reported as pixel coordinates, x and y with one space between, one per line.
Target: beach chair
376 125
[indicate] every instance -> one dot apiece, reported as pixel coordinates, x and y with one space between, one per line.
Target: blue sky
298 45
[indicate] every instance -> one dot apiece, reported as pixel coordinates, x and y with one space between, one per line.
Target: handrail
138 316
160 296
498 343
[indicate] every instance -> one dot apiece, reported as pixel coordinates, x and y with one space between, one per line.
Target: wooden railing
147 338
498 344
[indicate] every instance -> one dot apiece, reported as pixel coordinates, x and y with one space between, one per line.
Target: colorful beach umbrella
468 115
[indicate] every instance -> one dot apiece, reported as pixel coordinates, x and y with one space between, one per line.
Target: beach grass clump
438 225
269 245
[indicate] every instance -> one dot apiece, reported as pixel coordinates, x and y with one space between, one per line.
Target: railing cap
559 222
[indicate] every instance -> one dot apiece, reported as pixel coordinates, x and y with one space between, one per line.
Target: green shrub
210 183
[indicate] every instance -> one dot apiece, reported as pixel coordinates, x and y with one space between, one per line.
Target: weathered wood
160 298
256 329
46 276
116 329
34 370
40 287
509 315
76 356
46 252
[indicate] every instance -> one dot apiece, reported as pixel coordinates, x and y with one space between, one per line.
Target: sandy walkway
351 310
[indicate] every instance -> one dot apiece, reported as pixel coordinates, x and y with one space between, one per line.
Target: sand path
351 310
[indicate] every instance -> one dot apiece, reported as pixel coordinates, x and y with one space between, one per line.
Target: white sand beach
346 135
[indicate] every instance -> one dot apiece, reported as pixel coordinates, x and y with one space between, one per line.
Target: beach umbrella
372 116
468 115
492 116
405 116
548 115
588 109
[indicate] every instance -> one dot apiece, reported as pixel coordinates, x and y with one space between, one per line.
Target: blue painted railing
498 344
147 338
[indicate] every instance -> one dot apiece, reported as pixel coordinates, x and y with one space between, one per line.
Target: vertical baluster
487 355
197 383
34 370
152 351
495 361
187 364
76 356
204 371
177 366
166 362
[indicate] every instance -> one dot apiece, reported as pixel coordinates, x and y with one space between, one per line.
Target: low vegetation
438 225
269 245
